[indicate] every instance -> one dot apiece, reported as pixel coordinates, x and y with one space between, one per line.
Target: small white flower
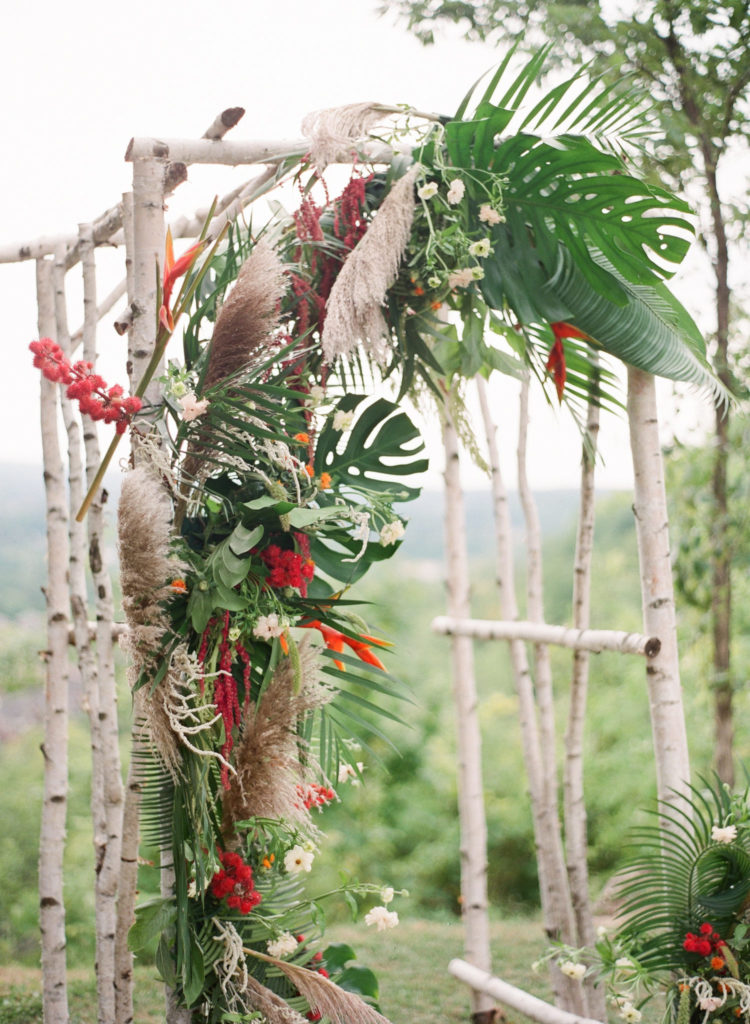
382 918
192 890
602 931
489 215
537 966
192 407
428 190
477 273
629 1013
179 388
728 834
461 278
268 626
456 191
392 532
285 945
298 859
234 634
316 394
387 894
433 281
572 970
480 248
342 420
348 773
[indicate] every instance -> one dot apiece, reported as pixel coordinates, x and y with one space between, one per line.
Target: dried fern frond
248 315
354 305
267 758
325 996
334 131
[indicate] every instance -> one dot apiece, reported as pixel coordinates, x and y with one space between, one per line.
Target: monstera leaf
381 448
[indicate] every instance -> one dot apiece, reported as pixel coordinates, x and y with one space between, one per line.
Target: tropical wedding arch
267 472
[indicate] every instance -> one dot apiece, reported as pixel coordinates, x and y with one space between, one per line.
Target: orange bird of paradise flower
335 640
174 269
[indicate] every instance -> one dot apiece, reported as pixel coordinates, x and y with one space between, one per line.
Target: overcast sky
79 80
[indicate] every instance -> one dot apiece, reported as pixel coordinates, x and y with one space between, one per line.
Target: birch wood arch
138 226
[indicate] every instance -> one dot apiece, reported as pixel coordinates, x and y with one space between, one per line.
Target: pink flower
192 407
489 215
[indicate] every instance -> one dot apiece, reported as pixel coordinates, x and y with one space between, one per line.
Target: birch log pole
106 771
553 888
576 840
55 744
657 592
79 610
127 882
470 787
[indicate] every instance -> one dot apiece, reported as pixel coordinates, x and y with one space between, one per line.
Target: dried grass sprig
354 308
324 995
248 315
269 757
147 568
273 1007
334 131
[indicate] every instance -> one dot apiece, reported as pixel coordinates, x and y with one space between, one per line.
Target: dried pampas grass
273 1007
248 315
267 758
147 568
334 131
340 1006
354 306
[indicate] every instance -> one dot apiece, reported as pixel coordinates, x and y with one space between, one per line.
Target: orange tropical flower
325 481
310 469
173 269
556 360
178 586
335 640
302 438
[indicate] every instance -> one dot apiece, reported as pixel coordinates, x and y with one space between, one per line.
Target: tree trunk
576 840
55 744
470 787
657 593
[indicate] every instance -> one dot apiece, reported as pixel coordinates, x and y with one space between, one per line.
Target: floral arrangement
266 479
685 908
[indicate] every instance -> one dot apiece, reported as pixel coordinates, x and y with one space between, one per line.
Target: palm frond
649 330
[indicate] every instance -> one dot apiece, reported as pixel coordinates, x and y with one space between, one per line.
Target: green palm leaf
650 330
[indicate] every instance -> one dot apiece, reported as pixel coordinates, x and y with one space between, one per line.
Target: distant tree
693 58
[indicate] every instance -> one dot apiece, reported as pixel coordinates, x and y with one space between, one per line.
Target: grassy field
410 962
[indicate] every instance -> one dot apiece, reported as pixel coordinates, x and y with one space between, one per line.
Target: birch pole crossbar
594 640
515 998
216 151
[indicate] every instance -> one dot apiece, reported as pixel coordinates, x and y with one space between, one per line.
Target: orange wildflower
419 290
302 438
717 963
268 861
436 305
178 587
284 643
325 481
310 469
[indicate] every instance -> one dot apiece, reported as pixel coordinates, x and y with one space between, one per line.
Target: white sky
78 80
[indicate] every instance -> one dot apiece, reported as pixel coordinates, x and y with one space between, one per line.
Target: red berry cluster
235 882
289 568
705 943
90 390
315 795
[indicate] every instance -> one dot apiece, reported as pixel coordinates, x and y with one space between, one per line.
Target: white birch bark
515 998
55 744
576 839
592 640
470 787
657 592
107 814
79 609
553 889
